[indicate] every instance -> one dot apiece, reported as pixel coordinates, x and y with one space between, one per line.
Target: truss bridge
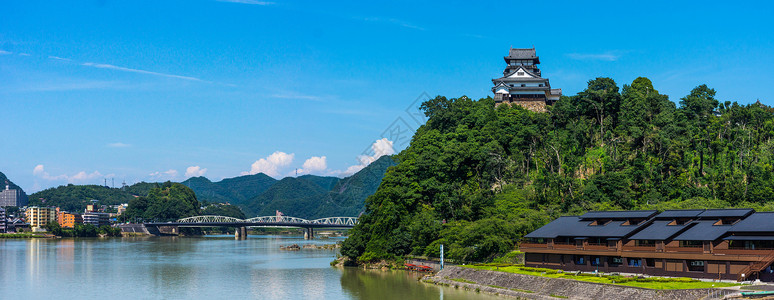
266 221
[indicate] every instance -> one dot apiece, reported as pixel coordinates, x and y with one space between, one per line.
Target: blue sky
157 90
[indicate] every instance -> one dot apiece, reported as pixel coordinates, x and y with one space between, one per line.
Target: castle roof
522 53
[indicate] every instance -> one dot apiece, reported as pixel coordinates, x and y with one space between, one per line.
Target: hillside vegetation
74 198
478 177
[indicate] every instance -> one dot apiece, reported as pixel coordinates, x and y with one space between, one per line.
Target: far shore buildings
68 220
12 197
3 221
522 82
735 244
38 217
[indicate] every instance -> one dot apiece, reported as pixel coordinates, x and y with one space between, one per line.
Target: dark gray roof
704 231
632 214
575 227
726 213
659 230
757 222
521 53
682 213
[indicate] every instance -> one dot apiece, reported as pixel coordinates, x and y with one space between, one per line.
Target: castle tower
522 82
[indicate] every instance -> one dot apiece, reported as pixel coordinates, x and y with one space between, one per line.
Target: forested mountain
294 196
313 197
347 198
477 177
237 190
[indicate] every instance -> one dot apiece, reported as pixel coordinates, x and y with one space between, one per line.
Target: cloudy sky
166 90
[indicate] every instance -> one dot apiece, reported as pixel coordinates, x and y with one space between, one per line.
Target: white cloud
314 164
607 56
166 175
296 96
3 52
24 54
59 58
380 148
271 164
80 177
117 68
195 171
118 145
253 2
398 22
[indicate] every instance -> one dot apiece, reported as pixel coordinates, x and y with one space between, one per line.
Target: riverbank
24 235
537 287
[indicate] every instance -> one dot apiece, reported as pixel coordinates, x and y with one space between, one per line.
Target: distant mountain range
307 196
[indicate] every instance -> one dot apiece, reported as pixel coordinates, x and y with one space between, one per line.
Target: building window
650 262
580 260
645 243
696 265
595 261
635 262
691 244
615 261
540 85
523 85
520 73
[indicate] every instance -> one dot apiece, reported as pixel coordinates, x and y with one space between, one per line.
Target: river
209 267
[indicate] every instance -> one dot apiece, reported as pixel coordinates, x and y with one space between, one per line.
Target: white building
522 82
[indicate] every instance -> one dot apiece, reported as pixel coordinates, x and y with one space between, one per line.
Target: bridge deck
249 224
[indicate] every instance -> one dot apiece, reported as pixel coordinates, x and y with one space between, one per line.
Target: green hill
294 196
74 198
312 197
235 190
477 177
347 198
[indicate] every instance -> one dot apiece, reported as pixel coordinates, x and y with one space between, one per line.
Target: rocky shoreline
296 247
536 287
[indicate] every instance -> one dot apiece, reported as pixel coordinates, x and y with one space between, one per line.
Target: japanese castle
522 82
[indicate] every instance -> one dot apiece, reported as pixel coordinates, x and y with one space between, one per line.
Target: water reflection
195 268
390 284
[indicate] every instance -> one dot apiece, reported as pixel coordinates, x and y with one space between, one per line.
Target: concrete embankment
536 287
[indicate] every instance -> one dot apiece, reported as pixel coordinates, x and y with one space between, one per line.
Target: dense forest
307 196
476 177
74 198
168 202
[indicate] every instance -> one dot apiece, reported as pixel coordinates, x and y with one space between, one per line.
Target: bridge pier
309 234
240 233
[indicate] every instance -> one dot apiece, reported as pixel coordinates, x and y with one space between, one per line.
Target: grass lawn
658 283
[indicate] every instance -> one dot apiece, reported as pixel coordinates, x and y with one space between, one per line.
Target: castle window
523 85
520 73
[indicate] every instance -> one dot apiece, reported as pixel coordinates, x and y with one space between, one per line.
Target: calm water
212 267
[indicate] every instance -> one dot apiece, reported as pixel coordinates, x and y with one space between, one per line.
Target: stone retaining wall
554 288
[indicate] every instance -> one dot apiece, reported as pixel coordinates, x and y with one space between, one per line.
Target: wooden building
522 82
714 243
